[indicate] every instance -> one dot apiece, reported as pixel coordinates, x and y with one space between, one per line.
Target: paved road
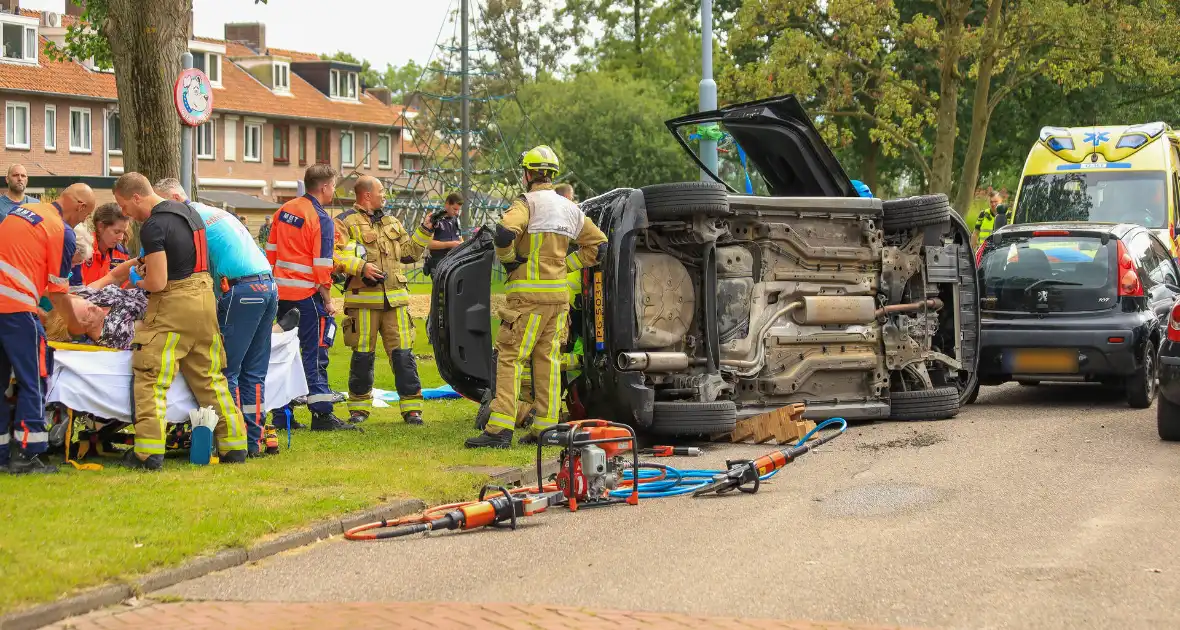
1052 507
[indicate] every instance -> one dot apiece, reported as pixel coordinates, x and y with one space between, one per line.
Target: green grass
80 529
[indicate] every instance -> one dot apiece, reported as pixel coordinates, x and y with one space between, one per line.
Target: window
282 144
19 42
205 146
323 146
79 130
252 143
347 155
342 84
384 159
368 148
302 146
282 75
408 163
210 64
115 134
16 125
50 127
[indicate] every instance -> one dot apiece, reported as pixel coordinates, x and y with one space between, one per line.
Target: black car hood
778 137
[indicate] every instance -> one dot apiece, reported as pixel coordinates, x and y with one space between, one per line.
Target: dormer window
18 42
343 85
210 64
282 76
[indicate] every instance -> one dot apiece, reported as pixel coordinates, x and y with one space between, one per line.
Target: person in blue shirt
246 307
14 196
861 188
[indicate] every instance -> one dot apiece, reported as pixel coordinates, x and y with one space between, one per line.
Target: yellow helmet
540 158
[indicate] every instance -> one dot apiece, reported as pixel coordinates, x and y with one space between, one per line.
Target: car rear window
1049 274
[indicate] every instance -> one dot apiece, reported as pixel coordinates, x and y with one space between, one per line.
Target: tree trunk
147 40
981 111
636 17
870 169
943 160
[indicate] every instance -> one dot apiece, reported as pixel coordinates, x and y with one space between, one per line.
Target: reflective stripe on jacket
36 254
300 248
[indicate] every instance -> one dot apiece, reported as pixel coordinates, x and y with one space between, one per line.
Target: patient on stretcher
109 316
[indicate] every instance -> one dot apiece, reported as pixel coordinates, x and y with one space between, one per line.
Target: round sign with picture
194 97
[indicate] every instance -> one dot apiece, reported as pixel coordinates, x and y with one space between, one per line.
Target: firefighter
376 301
179 329
300 249
36 252
532 241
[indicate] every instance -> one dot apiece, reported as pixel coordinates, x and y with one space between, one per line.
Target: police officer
301 246
36 252
376 301
991 219
179 330
532 241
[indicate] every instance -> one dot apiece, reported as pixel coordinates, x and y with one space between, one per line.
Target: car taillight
1128 278
979 255
1174 323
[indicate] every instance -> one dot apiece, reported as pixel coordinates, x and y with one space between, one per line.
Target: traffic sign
194 97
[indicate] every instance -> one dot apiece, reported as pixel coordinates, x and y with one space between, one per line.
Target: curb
114 594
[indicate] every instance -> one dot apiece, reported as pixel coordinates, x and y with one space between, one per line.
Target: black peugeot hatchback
1075 302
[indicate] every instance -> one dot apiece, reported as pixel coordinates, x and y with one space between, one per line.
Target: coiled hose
658 481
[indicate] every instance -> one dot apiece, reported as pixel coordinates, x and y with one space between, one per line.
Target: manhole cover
877 499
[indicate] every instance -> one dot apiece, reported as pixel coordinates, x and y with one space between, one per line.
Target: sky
382 31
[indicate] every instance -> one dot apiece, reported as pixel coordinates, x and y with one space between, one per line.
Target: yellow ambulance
1118 174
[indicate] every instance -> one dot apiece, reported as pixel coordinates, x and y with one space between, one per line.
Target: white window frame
353 83
30 42
88 115
368 150
334 83
9 141
114 114
210 152
257 157
50 130
348 159
385 162
284 69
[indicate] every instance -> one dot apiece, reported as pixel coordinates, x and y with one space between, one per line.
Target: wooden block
783 425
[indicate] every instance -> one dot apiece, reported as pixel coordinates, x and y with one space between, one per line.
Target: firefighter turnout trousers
23 356
179 333
529 332
395 327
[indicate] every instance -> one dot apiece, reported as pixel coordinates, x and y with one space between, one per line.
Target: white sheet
100 382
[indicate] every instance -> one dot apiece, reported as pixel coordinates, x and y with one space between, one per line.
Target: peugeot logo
1042 296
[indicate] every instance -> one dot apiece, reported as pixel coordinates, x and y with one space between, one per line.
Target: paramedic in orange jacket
36 252
300 249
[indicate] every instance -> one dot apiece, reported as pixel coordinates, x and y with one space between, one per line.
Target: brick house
275 112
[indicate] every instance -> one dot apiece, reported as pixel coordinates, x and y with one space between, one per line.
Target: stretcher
97 381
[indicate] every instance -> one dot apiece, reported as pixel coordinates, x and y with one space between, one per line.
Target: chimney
250 34
75 9
382 94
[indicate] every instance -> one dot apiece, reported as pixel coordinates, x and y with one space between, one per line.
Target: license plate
1043 361
599 318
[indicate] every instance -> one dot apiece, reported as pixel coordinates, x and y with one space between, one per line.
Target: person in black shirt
179 329
446 232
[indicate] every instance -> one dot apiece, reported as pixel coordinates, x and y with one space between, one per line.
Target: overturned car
712 305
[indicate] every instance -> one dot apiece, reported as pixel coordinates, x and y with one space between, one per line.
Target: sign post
194 102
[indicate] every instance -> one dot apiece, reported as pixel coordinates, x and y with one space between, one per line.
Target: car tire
973 395
1141 385
684 200
1029 383
1167 420
928 404
914 212
693 418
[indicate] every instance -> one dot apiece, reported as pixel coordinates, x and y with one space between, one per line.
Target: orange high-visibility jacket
36 254
302 240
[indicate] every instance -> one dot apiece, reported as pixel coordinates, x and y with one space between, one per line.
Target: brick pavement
216 615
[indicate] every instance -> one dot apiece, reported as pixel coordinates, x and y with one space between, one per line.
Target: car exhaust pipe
933 304
656 361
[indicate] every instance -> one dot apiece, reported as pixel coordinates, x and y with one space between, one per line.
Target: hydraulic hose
659 480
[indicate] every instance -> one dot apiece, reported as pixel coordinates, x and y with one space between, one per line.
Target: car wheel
914 212
1029 383
683 200
928 404
693 418
1141 384
1167 420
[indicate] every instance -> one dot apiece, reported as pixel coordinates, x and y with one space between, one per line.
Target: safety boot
527 439
329 422
22 464
272 440
280 421
237 456
503 439
412 417
152 463
357 417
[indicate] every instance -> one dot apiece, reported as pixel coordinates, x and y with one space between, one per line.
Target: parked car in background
1167 411
1080 302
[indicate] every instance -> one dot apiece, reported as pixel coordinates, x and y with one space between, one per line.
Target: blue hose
674 482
